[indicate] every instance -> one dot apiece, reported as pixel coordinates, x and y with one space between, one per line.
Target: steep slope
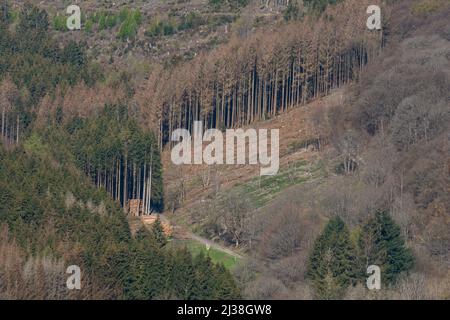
57 196
387 150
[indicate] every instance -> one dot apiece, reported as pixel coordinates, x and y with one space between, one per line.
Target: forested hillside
63 184
267 73
364 179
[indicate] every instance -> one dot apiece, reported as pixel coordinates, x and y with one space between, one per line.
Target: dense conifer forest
63 184
86 123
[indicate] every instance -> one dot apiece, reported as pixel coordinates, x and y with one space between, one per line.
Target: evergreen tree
382 244
145 238
183 274
143 269
158 233
226 288
333 264
33 20
204 277
74 53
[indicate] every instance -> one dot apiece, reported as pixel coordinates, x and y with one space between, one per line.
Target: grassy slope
195 247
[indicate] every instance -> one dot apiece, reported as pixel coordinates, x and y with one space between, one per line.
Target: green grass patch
261 190
195 247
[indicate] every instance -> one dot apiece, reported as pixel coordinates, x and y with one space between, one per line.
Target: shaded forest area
64 177
74 150
111 149
119 157
34 65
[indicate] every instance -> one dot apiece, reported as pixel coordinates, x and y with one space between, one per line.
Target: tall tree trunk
18 131
3 121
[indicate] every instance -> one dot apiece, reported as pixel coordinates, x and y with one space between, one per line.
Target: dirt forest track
183 233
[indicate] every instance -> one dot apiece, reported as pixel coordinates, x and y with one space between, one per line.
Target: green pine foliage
382 244
148 271
127 20
212 280
51 208
158 233
161 27
333 264
104 20
130 25
35 61
5 14
339 260
232 4
56 184
184 275
100 143
60 23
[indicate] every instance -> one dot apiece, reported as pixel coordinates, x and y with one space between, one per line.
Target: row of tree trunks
10 128
257 95
125 181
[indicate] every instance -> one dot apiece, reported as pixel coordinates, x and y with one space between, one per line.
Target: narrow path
214 245
190 235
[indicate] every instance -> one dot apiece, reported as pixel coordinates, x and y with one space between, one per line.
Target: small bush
159 27
60 23
88 26
130 25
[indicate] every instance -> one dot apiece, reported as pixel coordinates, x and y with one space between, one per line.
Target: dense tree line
118 156
318 5
55 217
127 162
265 73
338 261
51 214
32 64
158 274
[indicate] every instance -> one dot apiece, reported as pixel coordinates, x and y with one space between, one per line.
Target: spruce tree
382 244
149 266
333 264
225 288
292 11
183 274
204 278
145 238
158 233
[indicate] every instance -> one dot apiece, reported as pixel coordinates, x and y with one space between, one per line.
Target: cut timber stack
135 206
149 220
